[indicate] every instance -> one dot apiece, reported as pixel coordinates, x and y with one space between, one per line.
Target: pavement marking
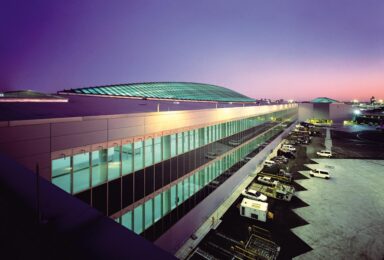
328 140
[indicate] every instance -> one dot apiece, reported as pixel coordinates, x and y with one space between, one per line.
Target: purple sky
296 49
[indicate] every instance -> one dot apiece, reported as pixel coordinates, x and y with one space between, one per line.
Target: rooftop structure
324 100
165 90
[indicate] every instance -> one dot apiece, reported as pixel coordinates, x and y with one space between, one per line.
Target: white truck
254 209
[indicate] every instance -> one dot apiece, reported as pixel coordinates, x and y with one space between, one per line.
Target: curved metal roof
324 100
166 90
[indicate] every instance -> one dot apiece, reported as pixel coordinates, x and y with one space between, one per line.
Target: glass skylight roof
167 90
324 100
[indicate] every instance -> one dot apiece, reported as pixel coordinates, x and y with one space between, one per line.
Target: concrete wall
340 112
321 110
305 111
175 237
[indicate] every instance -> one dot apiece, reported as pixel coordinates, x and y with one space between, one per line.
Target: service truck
254 209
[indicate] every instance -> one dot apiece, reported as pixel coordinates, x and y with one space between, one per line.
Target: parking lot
340 218
346 213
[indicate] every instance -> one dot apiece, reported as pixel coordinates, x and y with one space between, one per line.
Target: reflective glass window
138 219
138 155
197 182
61 173
127 220
179 143
81 172
166 201
148 214
157 149
192 140
127 158
191 185
148 152
166 147
186 188
173 197
186 141
173 145
99 166
114 162
180 194
158 207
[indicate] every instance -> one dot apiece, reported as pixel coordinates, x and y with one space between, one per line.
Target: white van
320 173
325 153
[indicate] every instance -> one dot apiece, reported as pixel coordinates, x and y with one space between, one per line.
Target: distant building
325 110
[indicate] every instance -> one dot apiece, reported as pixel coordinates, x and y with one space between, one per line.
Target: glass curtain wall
80 172
168 200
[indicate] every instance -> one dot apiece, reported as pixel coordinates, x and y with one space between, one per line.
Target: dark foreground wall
66 227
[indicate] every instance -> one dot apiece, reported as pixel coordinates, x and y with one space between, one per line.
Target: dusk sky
292 49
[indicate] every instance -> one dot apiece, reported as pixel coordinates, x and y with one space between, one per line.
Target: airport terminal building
323 109
145 155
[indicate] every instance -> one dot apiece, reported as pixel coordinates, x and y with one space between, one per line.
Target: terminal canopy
324 100
166 90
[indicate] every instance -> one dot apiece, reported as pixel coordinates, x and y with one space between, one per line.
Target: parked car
253 194
269 163
314 132
289 147
306 124
285 153
285 174
303 140
267 180
280 159
293 141
211 155
320 173
325 153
